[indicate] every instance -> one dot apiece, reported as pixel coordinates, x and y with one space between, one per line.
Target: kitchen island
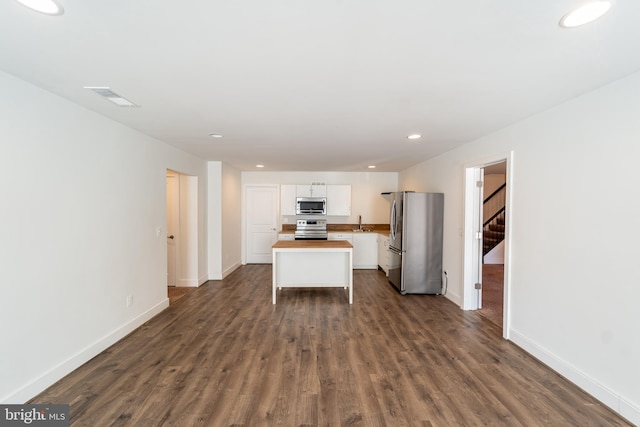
312 264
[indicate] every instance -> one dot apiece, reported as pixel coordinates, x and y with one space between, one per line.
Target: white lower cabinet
340 236
365 250
344 236
370 250
383 253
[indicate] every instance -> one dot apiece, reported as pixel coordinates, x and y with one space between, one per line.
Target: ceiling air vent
107 93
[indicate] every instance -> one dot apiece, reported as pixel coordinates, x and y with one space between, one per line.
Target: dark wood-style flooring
223 355
175 293
493 293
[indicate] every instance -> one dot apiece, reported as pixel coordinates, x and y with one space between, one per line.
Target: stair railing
494 210
494 202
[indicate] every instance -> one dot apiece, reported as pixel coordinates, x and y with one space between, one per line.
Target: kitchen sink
363 230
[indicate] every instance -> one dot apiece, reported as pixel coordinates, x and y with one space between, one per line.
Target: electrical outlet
129 300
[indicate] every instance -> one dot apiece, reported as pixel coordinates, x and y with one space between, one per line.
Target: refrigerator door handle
393 221
395 251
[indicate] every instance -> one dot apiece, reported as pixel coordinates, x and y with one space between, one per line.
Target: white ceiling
304 85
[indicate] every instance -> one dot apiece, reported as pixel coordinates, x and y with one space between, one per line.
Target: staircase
494 210
493 233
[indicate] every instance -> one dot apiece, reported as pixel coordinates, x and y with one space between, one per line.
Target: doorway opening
494 191
486 259
182 233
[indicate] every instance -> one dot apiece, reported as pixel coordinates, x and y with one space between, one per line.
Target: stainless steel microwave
311 206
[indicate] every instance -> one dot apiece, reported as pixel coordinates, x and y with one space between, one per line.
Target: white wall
492 182
188 232
495 255
574 288
214 218
225 205
231 219
82 197
365 190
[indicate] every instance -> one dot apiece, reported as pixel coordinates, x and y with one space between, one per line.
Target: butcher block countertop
343 228
312 244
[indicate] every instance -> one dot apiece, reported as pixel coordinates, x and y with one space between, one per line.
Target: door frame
173 224
245 223
186 236
471 219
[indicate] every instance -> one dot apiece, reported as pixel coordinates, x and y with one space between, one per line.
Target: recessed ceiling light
215 135
414 136
371 166
48 7
584 14
107 93
259 166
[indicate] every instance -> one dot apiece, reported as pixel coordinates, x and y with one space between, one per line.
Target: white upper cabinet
338 200
311 190
338 197
288 199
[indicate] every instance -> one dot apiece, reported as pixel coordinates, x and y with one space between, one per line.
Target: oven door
310 238
310 235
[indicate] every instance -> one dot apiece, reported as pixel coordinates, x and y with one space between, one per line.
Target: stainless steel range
311 229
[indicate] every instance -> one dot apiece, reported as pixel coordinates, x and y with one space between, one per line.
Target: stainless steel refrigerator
415 242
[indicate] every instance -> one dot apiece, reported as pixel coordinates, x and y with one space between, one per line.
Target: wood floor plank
224 355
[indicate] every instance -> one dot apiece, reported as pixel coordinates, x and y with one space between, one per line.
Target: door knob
171 237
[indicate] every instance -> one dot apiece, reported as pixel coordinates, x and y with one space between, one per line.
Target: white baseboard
608 397
225 273
203 279
187 283
231 269
47 379
630 412
455 298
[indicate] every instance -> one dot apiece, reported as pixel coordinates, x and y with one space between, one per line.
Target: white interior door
261 222
172 226
472 299
478 249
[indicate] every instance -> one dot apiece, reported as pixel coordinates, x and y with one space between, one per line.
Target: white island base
312 264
